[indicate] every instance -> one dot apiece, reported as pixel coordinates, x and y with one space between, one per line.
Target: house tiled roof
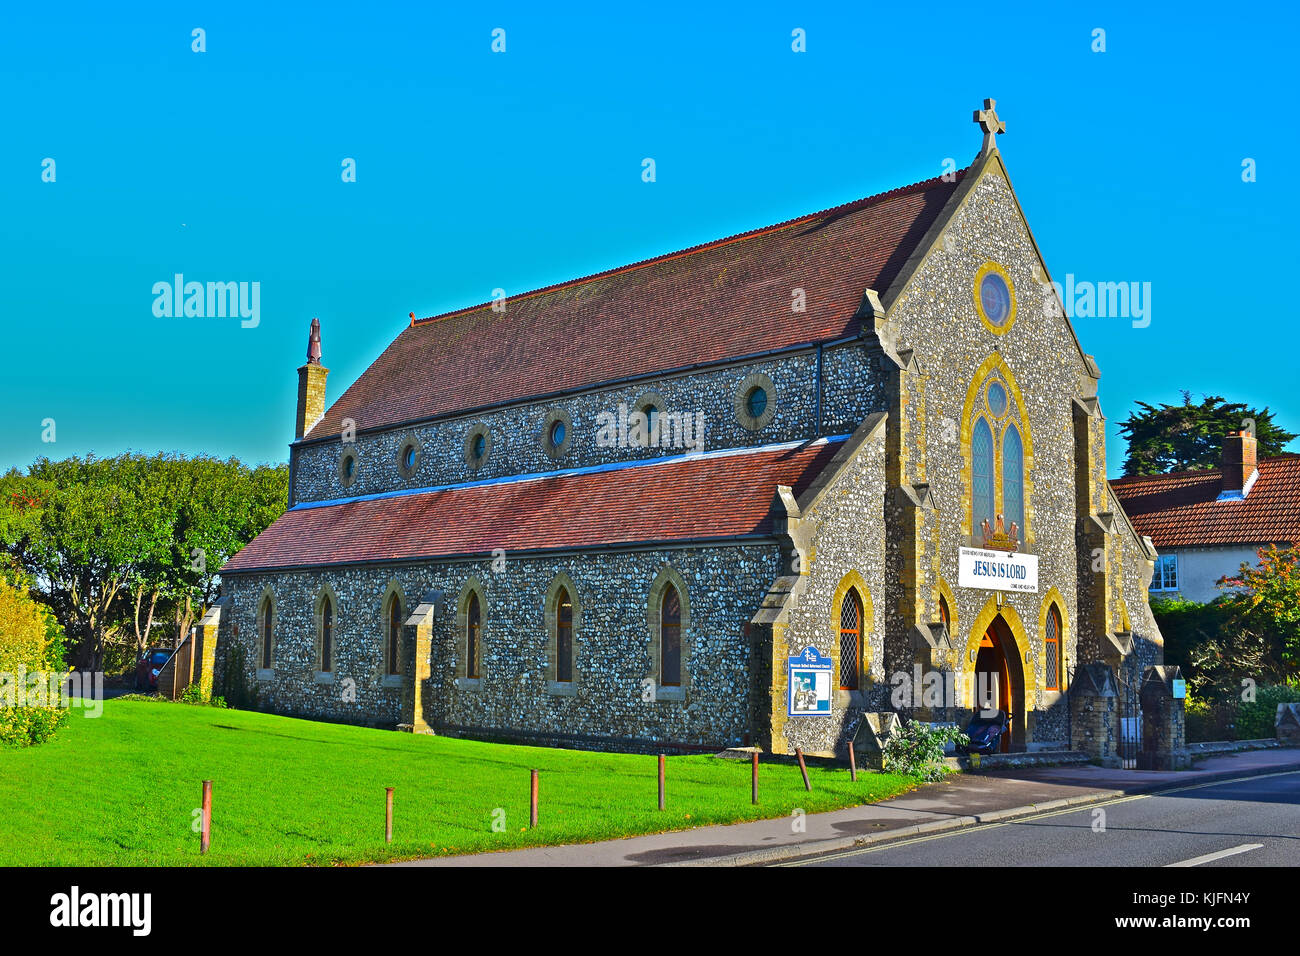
1182 510
713 302
719 495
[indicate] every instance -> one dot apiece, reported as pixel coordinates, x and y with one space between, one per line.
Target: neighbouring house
737 494
1208 522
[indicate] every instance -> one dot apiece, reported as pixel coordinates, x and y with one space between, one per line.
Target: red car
148 666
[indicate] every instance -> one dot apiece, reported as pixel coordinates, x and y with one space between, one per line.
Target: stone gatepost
1094 714
1164 724
1287 725
205 647
417 648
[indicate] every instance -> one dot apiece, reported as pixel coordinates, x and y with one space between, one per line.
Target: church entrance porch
998 680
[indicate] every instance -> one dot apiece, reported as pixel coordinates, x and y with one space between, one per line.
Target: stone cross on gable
989 122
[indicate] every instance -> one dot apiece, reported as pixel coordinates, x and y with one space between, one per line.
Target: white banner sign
997 570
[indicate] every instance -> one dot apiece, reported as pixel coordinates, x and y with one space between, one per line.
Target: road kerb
816 848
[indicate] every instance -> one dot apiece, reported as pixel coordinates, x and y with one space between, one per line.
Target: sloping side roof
687 498
1181 510
718 301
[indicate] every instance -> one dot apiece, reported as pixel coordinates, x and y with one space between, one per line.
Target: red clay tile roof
720 495
1180 510
713 302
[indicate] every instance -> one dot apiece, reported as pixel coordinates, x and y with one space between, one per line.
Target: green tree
1168 438
118 544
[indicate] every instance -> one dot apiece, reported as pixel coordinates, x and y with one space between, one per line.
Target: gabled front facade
846 411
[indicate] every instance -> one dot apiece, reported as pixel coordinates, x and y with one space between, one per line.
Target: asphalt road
1253 821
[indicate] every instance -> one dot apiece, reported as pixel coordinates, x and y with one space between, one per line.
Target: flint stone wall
512 700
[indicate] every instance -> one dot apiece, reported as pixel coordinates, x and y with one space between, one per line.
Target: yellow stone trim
1053 596
1016 399
990 267
942 589
852 579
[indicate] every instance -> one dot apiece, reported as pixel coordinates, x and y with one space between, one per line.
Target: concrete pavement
959 801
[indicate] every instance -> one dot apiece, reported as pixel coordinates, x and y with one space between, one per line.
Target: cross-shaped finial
989 122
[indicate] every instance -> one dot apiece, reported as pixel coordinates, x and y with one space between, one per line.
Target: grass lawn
123 790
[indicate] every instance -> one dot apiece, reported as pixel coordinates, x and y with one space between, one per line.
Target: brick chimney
311 385
1238 464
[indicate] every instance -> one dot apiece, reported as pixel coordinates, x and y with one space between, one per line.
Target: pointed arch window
394 635
563 637
1052 656
1013 482
998 506
473 636
945 615
670 638
327 635
981 456
268 618
850 640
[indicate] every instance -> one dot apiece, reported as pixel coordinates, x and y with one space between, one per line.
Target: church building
738 495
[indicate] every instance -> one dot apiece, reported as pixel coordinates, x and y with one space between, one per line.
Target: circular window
557 433
997 399
755 401
478 446
348 468
408 456
994 297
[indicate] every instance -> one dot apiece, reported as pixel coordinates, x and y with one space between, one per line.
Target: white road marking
1211 857
983 827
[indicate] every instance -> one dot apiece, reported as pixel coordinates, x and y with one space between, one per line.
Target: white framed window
1165 575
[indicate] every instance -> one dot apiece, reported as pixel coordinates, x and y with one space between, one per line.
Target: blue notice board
809 682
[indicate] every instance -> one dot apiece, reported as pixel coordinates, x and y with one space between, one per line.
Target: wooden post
205 834
661 781
853 763
532 799
798 752
388 814
753 783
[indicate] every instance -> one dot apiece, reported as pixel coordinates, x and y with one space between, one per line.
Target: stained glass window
394 632
266 634
473 629
981 448
997 399
327 636
563 637
995 298
1013 480
670 639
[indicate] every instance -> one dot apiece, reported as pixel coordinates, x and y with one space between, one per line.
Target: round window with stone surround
348 466
478 446
755 401
408 456
557 433
995 297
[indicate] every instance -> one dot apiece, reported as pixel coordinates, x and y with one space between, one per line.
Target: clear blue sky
478 170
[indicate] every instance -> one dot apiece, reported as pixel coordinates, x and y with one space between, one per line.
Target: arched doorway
999 682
